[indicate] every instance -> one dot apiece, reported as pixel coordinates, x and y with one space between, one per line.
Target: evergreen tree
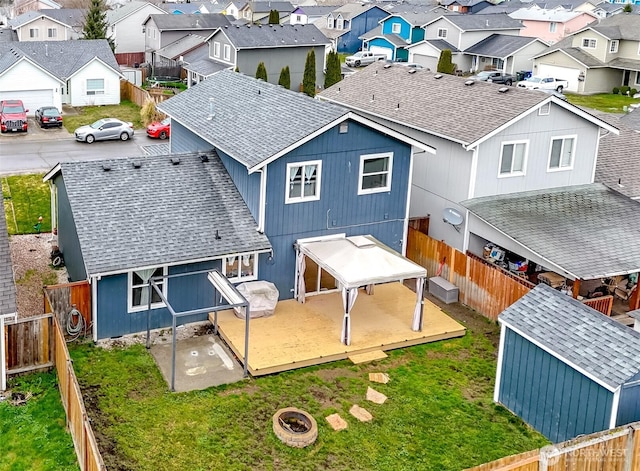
334 74
445 66
274 17
95 23
285 78
627 8
309 78
261 72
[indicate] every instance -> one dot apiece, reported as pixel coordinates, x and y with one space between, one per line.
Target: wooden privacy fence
481 286
30 344
133 93
84 441
60 299
610 450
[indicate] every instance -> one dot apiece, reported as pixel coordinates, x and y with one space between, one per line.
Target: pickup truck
13 116
495 77
363 58
544 83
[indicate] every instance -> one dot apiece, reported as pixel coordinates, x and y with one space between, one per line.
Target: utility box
443 290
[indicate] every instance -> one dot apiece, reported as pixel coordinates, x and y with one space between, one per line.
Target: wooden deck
300 335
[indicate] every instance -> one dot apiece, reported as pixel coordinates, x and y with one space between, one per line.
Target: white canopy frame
355 262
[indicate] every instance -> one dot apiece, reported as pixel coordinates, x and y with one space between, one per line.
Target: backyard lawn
607 102
26 198
33 434
439 415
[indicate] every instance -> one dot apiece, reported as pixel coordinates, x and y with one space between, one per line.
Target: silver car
103 130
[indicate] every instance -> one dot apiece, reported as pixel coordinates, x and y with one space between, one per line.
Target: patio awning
358 261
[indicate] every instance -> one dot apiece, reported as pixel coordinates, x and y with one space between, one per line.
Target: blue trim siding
417 35
359 25
68 236
183 140
402 55
552 397
184 293
405 27
381 42
248 185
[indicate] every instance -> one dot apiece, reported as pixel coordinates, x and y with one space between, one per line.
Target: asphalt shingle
268 36
194 22
618 164
499 45
7 283
602 347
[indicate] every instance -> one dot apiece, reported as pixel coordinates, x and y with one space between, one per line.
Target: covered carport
356 262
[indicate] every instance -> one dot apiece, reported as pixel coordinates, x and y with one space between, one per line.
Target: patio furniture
624 290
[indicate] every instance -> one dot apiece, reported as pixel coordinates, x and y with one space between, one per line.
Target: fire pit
295 427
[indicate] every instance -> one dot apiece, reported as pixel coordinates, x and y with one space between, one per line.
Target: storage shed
565 368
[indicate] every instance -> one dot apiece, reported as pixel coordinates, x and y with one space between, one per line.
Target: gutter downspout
94 307
262 209
405 228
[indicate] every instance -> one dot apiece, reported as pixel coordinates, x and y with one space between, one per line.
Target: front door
625 78
65 93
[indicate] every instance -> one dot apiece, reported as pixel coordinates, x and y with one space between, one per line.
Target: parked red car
13 116
159 130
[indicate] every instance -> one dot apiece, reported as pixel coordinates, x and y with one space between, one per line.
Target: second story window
375 173
613 47
33 33
442 33
513 158
340 23
216 49
330 22
227 52
553 27
396 28
561 154
52 33
589 43
303 181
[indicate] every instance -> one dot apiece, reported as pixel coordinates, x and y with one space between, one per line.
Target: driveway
36 133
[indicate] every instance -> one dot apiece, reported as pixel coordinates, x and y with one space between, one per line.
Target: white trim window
138 289
303 181
637 82
396 28
216 49
442 33
240 267
52 32
545 109
513 158
553 26
589 43
95 86
227 52
561 153
331 22
375 173
339 23
33 32
613 47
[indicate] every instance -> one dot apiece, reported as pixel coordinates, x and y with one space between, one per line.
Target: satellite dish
452 216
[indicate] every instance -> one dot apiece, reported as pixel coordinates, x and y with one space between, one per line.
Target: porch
300 335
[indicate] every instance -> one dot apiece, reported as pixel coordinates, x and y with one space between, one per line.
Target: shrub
445 65
624 90
149 113
333 74
309 77
633 92
616 90
285 78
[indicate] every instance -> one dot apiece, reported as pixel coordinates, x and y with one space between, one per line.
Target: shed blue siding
629 405
183 140
248 185
552 397
68 237
184 293
350 42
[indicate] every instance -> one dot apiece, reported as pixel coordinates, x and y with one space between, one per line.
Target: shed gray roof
192 22
182 46
432 105
119 14
500 45
269 36
254 120
7 283
577 334
482 22
62 59
159 213
68 16
591 231
618 164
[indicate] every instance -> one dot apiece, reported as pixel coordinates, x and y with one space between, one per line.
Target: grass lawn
26 198
125 111
607 102
439 415
33 434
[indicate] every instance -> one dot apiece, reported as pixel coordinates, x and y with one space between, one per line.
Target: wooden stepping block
379 378
368 356
360 413
337 422
375 396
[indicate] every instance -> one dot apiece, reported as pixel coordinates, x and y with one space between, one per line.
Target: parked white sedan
103 130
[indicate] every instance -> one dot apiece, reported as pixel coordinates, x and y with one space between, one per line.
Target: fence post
632 462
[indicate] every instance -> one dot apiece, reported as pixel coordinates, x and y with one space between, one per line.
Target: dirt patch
334 374
325 397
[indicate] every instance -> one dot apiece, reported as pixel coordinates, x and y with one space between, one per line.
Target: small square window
139 288
33 33
303 181
344 128
375 173
241 267
396 28
589 43
442 33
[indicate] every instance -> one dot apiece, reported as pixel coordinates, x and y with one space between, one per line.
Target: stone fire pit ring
295 427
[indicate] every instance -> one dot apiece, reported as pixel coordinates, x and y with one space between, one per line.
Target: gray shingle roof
118 14
266 6
205 66
534 14
432 105
351 10
69 16
500 45
60 58
7 283
441 44
618 164
159 213
192 22
182 46
468 3
269 36
577 334
625 26
632 120
479 21
376 32
590 231
7 35
419 18
253 120
621 63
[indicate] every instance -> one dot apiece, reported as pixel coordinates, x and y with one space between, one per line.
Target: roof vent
106 167
503 89
387 66
468 83
136 164
217 236
413 71
437 76
204 158
175 160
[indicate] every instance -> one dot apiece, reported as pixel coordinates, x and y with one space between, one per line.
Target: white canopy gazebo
355 262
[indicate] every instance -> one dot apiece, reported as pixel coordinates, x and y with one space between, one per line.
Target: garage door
32 99
427 62
564 73
382 50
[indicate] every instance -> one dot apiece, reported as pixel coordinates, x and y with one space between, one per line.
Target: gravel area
32 270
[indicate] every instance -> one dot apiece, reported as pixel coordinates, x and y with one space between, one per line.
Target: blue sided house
344 25
253 169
